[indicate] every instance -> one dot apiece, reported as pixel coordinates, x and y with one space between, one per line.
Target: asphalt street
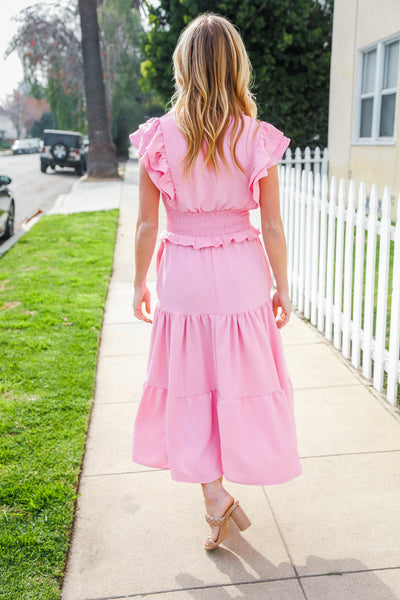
32 189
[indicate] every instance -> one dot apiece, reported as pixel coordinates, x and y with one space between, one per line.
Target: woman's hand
141 295
281 302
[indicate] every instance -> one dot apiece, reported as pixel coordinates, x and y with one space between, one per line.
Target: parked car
7 208
37 144
28 146
65 149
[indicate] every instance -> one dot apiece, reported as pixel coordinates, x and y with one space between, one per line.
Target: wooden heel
240 518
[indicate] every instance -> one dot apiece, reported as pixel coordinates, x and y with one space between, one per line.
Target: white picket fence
332 247
309 160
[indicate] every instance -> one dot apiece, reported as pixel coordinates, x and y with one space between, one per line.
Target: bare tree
49 46
13 108
102 158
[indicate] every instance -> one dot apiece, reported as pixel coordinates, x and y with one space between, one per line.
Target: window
379 66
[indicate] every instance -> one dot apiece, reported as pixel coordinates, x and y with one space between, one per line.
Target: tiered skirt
217 397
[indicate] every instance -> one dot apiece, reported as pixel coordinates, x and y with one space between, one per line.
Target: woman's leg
217 501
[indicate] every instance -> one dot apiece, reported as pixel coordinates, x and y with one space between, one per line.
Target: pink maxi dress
217 398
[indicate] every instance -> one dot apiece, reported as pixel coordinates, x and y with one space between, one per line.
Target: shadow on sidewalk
344 579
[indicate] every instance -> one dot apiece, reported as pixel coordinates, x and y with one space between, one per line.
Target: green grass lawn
53 285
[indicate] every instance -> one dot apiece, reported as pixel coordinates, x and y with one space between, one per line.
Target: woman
217 400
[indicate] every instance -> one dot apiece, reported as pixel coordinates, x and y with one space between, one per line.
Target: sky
10 68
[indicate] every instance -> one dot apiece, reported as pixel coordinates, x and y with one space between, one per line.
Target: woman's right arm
275 244
145 241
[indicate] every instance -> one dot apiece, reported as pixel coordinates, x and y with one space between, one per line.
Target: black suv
65 149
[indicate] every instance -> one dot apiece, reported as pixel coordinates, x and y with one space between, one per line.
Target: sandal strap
219 521
210 543
215 521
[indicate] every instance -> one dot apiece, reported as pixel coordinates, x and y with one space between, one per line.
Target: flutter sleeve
268 150
149 141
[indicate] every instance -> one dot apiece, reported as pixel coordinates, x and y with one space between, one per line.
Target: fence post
337 319
282 182
315 248
290 230
325 162
286 200
322 253
317 161
297 193
330 260
297 159
288 157
348 271
394 339
302 245
370 283
307 286
307 158
383 280
358 278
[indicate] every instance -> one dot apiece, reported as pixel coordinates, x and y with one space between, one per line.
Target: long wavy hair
212 75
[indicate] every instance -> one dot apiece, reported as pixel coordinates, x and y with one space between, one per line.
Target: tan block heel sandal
238 515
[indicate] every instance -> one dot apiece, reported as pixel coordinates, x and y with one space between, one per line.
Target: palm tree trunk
102 161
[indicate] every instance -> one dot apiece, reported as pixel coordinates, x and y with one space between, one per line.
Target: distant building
364 105
7 128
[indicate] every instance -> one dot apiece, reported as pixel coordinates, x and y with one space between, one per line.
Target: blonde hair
212 76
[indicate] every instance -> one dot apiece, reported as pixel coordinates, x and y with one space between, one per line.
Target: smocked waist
209 223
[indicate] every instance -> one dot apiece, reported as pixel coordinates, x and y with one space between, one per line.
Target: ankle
217 500
213 490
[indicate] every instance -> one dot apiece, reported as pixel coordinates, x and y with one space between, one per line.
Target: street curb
75 185
5 246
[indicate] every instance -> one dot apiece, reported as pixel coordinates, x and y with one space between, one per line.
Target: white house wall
356 24
6 125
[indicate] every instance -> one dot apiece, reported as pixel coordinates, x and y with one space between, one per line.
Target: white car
28 146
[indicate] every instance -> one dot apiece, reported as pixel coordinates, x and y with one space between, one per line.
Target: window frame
378 92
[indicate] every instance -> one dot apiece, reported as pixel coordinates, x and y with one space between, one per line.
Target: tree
121 31
46 121
48 44
13 108
288 42
102 159
23 110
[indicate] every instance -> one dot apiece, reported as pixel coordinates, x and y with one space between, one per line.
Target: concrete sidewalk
331 534
89 196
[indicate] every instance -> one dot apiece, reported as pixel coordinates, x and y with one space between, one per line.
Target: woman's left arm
145 241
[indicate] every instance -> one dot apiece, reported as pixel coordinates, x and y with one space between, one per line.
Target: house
364 103
7 128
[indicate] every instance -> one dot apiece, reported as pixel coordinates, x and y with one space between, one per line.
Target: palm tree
102 161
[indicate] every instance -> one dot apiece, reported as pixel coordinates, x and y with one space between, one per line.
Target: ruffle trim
279 394
215 241
149 141
270 147
251 440
251 312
